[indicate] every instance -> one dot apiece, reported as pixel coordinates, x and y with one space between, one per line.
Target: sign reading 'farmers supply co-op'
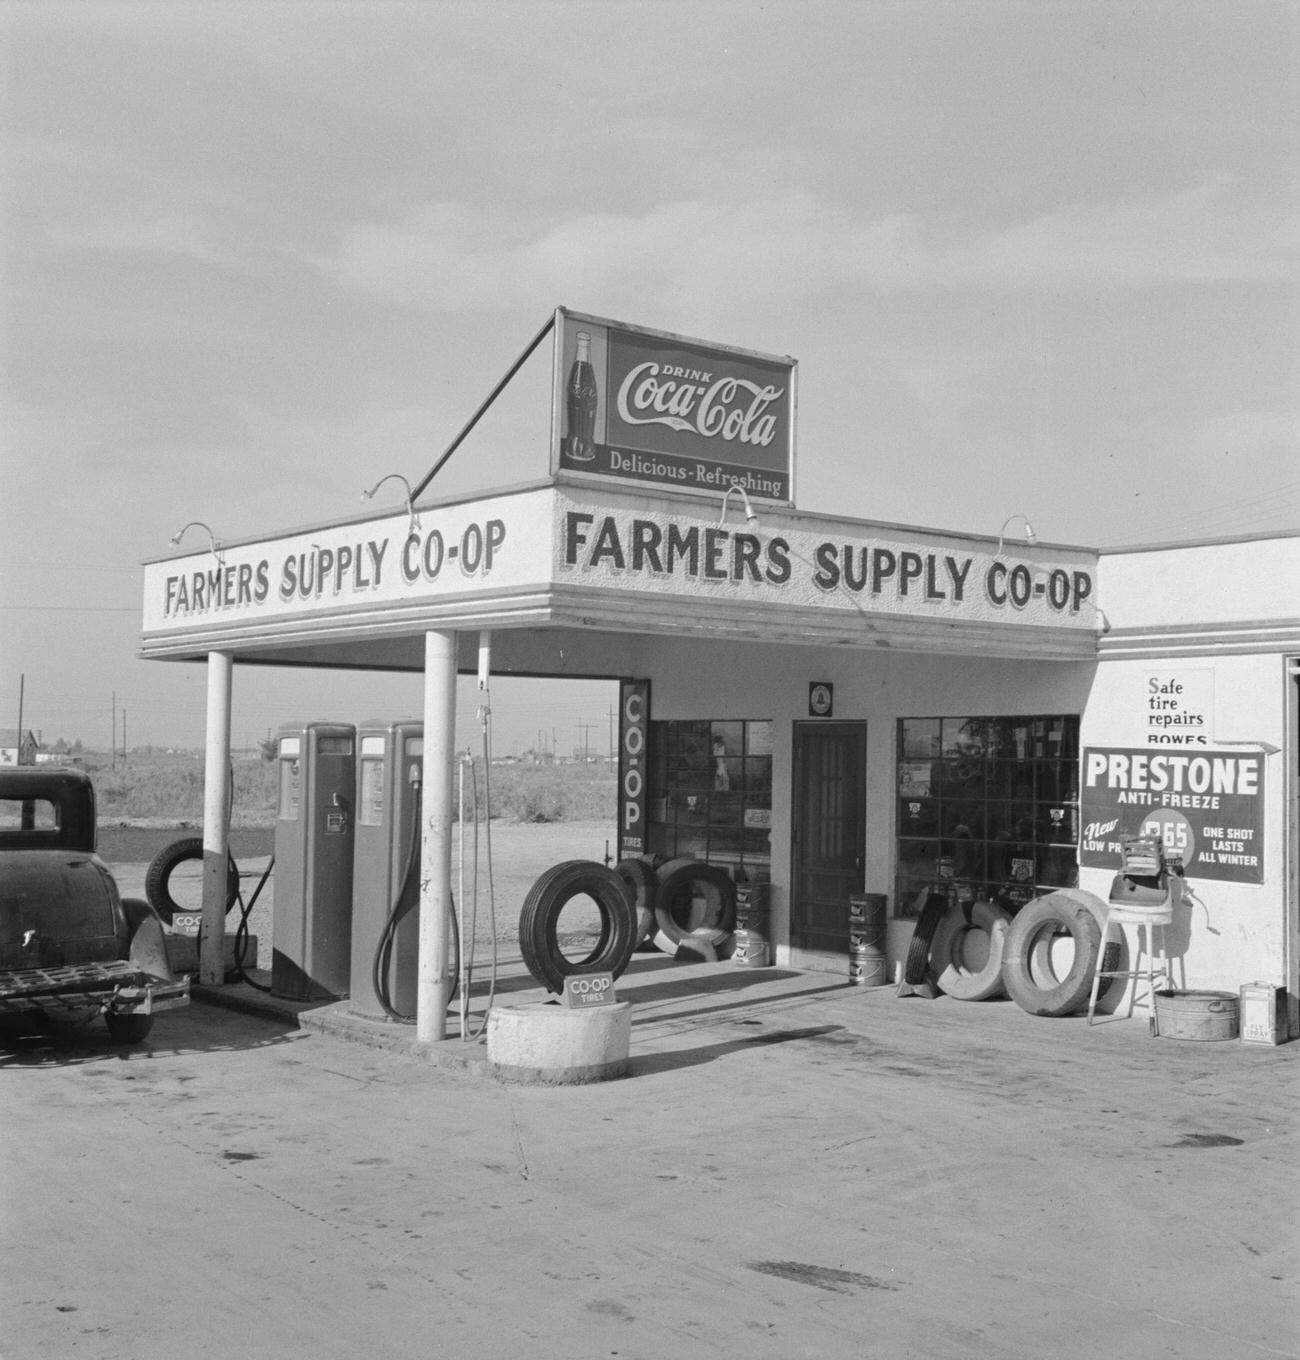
531 539
643 406
1207 807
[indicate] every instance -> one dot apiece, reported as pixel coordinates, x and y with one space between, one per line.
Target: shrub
168 787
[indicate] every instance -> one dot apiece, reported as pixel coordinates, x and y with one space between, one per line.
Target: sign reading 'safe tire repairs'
1206 806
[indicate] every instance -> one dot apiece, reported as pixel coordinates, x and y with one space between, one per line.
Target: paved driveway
794 1168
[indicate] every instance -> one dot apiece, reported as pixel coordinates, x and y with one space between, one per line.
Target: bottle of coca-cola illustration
580 395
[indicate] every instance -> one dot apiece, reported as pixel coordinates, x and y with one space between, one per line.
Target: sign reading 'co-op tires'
643 406
633 736
1207 808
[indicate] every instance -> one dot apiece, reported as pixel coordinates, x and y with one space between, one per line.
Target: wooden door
830 796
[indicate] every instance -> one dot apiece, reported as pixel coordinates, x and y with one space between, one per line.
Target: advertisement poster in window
643 406
1206 806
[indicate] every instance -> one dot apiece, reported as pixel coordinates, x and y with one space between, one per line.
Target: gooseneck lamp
1030 537
414 522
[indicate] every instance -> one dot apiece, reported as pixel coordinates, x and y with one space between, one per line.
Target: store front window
711 794
992 803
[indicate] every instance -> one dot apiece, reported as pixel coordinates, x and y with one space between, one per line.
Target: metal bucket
753 925
753 907
1197 1015
751 950
867 964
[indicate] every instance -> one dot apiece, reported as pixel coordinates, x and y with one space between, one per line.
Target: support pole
435 975
216 820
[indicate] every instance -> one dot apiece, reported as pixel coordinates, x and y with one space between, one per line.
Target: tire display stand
546 1044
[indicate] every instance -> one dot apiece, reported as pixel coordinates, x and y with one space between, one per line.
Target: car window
18 815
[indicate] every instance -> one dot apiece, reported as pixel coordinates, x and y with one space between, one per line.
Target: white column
435 975
216 819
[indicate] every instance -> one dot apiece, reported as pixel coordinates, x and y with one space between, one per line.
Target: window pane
758 738
707 798
1058 867
993 800
918 817
918 859
920 738
965 736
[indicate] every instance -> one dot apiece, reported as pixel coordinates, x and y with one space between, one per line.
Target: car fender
148 939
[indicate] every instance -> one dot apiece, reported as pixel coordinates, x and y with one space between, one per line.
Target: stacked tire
967 951
684 906
695 909
642 884
539 920
1019 958
1028 968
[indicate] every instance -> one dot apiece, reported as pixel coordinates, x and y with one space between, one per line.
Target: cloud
795 248
173 234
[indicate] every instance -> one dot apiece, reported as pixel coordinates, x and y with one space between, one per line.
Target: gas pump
314 840
389 769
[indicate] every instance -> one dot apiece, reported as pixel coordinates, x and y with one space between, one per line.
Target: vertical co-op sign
644 406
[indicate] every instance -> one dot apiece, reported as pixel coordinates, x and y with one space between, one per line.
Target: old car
71 947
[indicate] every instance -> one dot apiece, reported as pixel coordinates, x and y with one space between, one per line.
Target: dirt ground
520 852
795 1169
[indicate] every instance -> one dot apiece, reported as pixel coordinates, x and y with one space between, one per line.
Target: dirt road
795 1168
520 852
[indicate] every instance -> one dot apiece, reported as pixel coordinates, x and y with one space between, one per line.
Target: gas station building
826 703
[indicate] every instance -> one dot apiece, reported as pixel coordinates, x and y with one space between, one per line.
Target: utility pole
124 736
611 734
22 684
584 728
113 744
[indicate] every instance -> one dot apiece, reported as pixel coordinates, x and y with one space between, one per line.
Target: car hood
58 907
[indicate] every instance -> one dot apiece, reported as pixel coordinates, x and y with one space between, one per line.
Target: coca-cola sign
643 406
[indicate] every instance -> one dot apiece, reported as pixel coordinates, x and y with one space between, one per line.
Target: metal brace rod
477 416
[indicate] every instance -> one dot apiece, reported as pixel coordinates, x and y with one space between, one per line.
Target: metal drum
867 963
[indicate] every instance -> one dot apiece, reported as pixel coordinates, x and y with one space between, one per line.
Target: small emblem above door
820 699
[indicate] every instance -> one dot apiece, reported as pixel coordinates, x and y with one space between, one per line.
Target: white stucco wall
1240 933
692 679
1223 618
1238 582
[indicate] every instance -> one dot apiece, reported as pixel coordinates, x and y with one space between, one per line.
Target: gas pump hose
466 1032
241 974
408 897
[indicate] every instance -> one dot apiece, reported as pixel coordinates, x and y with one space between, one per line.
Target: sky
1032 257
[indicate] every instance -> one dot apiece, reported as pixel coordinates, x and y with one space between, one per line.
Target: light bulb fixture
744 496
1102 621
1030 537
213 545
414 522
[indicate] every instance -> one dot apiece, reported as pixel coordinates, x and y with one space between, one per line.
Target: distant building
16 748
